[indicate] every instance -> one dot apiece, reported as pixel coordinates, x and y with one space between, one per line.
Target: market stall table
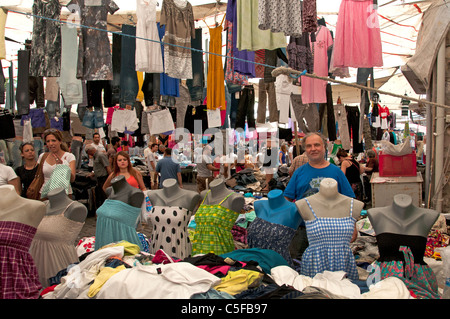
385 188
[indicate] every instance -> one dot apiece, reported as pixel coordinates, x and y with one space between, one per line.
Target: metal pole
440 126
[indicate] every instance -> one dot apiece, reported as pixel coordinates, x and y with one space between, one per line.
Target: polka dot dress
170 231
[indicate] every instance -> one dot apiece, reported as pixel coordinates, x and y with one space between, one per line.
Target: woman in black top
27 171
352 171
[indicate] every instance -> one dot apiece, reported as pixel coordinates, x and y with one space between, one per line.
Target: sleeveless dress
53 247
215 90
213 230
267 235
401 256
170 230
329 245
20 279
116 221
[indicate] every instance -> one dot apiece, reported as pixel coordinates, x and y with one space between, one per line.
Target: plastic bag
397 150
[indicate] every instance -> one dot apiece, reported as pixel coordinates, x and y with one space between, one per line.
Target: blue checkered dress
329 245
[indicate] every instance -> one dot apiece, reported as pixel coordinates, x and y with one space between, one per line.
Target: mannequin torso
328 202
402 217
278 210
124 192
58 202
173 195
19 209
218 191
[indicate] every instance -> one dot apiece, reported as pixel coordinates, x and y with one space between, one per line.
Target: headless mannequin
276 209
328 202
172 195
18 209
59 201
218 191
122 191
402 217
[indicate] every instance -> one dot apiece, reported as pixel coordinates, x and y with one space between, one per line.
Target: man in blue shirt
168 168
306 181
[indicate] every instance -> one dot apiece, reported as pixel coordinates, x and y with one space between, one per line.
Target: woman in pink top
122 166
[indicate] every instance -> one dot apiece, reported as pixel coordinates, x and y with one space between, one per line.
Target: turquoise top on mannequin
276 209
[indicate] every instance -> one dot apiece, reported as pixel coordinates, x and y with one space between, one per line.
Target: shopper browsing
352 170
58 154
123 166
28 170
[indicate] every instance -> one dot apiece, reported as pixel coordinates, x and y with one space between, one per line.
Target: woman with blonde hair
122 166
58 154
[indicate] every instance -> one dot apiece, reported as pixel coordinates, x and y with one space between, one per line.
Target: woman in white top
58 154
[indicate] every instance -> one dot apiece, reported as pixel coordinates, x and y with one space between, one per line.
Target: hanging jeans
307 115
246 108
116 61
331 122
196 84
10 93
363 75
76 147
353 115
129 84
150 88
340 114
53 107
93 119
267 96
22 97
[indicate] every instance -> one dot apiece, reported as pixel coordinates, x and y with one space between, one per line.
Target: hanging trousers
246 108
10 93
22 96
340 114
116 60
307 115
267 97
95 90
331 121
150 88
353 116
197 82
129 84
70 86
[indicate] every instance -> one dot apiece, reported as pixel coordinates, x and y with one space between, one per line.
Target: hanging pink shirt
314 90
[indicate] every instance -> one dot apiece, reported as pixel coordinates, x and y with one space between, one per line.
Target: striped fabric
60 178
329 245
19 276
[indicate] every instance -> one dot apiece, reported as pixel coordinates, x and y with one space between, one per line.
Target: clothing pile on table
126 270
121 271
253 180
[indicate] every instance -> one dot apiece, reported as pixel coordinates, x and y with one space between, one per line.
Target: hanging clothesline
284 69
